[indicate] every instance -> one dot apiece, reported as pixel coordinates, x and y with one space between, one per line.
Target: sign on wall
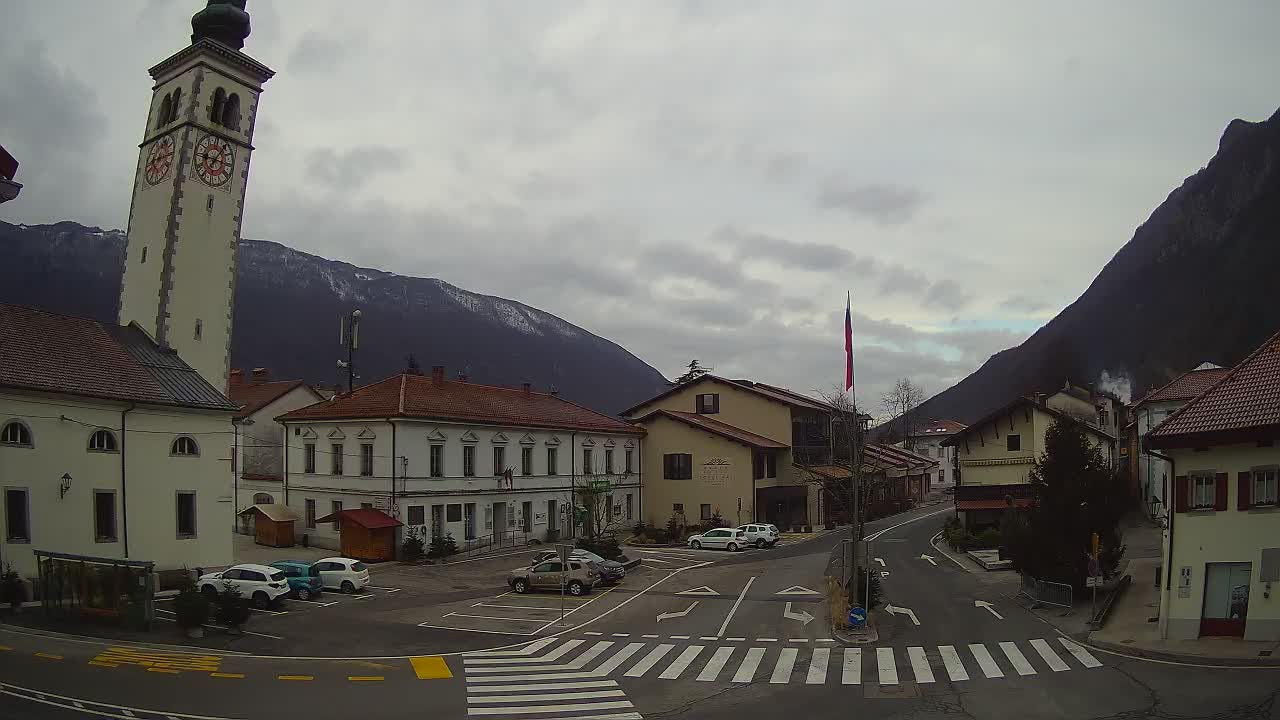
715 472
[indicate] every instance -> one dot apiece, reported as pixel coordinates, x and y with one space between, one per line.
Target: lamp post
65 486
349 335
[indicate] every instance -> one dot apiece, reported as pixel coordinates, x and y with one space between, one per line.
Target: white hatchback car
761 536
730 539
345 574
259 583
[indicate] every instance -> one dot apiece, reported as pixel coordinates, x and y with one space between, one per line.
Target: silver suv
762 536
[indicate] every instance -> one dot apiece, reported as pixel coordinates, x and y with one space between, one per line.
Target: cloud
947 294
352 167
790 253
318 53
944 294
881 203
1024 304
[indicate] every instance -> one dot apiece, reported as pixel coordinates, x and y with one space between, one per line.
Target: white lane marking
660 562
920 664
585 658
532 608
878 533
570 707
1080 653
951 660
985 661
886 666
799 640
747 670
708 637
538 697
679 637
620 635
818 667
491 617
681 662
388 589
592 633
613 663
852 672
651 637
1050 658
520 669
716 663
529 678
1017 659
725 625
546 686
646 664
552 656
742 639
782 670
766 639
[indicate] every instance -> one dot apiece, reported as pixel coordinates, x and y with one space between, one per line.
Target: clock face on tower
214 160
159 160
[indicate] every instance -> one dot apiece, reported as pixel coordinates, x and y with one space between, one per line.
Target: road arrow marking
881 561
884 573
704 590
902 611
682 613
797 590
804 617
929 558
987 605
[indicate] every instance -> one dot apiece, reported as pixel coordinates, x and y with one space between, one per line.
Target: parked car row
263 585
734 539
586 570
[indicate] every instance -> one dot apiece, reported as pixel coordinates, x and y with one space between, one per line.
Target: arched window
231 112
15 433
176 107
215 108
263 499
183 445
102 441
166 108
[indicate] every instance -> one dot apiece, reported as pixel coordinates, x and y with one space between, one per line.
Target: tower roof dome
223 20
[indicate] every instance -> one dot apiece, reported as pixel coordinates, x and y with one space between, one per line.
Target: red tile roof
896 456
1186 386
48 352
252 396
780 395
939 428
1246 399
364 517
723 429
417 396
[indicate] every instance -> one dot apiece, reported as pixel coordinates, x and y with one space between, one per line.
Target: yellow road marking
102 664
48 656
150 659
5 647
430 667
295 677
365 678
169 671
226 675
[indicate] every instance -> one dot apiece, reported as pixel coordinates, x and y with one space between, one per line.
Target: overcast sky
696 179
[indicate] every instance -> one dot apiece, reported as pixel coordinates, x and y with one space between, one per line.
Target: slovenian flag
848 345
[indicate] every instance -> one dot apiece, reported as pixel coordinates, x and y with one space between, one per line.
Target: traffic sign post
564 551
857 616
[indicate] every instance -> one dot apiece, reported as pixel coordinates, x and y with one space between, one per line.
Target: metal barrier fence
1045 592
494 541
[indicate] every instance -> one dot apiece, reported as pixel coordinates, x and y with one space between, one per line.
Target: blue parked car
304 580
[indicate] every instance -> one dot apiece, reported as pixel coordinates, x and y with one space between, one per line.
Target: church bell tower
189 190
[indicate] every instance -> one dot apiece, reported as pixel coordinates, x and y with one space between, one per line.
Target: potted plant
11 587
192 610
230 610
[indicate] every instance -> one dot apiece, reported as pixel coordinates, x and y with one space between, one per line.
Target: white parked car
761 536
730 539
345 574
259 584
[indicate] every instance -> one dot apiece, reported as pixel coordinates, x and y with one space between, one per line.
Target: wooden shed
272 524
366 533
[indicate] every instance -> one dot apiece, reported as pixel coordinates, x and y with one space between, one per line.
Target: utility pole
349 335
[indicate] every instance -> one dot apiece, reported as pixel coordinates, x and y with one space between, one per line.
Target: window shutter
1220 491
1180 491
1243 482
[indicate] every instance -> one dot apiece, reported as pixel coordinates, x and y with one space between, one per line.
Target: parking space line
236 676
167 671
47 656
601 595
270 612
313 602
365 678
296 677
487 632
519 607
388 589
491 617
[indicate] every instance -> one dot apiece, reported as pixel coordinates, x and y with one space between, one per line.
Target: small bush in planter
230 609
411 548
12 591
191 608
443 546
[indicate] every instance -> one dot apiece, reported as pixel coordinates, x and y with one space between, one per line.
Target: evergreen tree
694 372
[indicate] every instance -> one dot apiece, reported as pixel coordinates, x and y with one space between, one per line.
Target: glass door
1226 598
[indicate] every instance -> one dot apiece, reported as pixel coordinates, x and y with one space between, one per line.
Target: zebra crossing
554 676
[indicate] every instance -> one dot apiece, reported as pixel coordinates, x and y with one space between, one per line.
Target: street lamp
349 335
66 485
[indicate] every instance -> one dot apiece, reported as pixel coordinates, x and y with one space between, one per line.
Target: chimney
236 377
528 389
437 375
260 374
462 377
554 392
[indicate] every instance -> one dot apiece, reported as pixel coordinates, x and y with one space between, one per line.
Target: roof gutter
124 492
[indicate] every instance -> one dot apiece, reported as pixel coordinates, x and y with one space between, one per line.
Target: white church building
116 438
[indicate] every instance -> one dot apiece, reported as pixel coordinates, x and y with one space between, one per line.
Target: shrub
230 609
442 546
674 525
191 608
11 590
989 538
606 548
411 548
716 521
860 591
641 529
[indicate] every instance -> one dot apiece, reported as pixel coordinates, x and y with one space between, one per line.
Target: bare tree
901 401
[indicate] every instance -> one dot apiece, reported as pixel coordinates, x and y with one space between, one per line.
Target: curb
863 638
1182 658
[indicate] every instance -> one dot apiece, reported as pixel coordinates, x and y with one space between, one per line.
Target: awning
272 511
364 517
991 504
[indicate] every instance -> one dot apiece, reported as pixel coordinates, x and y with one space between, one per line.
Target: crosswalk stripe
531 709
681 662
546 686
527 678
951 661
584 695
782 670
1017 659
818 667
529 649
920 665
852 672
521 668
716 663
549 657
645 665
1080 653
561 651
985 661
615 662
886 666
585 658
1050 657
747 670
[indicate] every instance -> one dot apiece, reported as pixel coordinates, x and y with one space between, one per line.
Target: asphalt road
700 634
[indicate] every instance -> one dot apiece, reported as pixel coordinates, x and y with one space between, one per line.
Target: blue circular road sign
857 617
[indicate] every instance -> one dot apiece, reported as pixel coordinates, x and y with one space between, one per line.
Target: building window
144 256
705 511
417 514
1203 491
771 465
183 445
231 112
757 466
453 512
199 331
630 506
586 461
263 499
216 105
677 508
186 515
175 107
1015 442
526 461
1264 487
626 461
677 466
366 506
335 507
335 459
166 107
104 516
309 458
15 433
499 460
608 461
708 403
366 459
102 441
469 460
437 461
17 515
551 461
309 511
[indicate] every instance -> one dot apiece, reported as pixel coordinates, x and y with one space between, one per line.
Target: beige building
1222 540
